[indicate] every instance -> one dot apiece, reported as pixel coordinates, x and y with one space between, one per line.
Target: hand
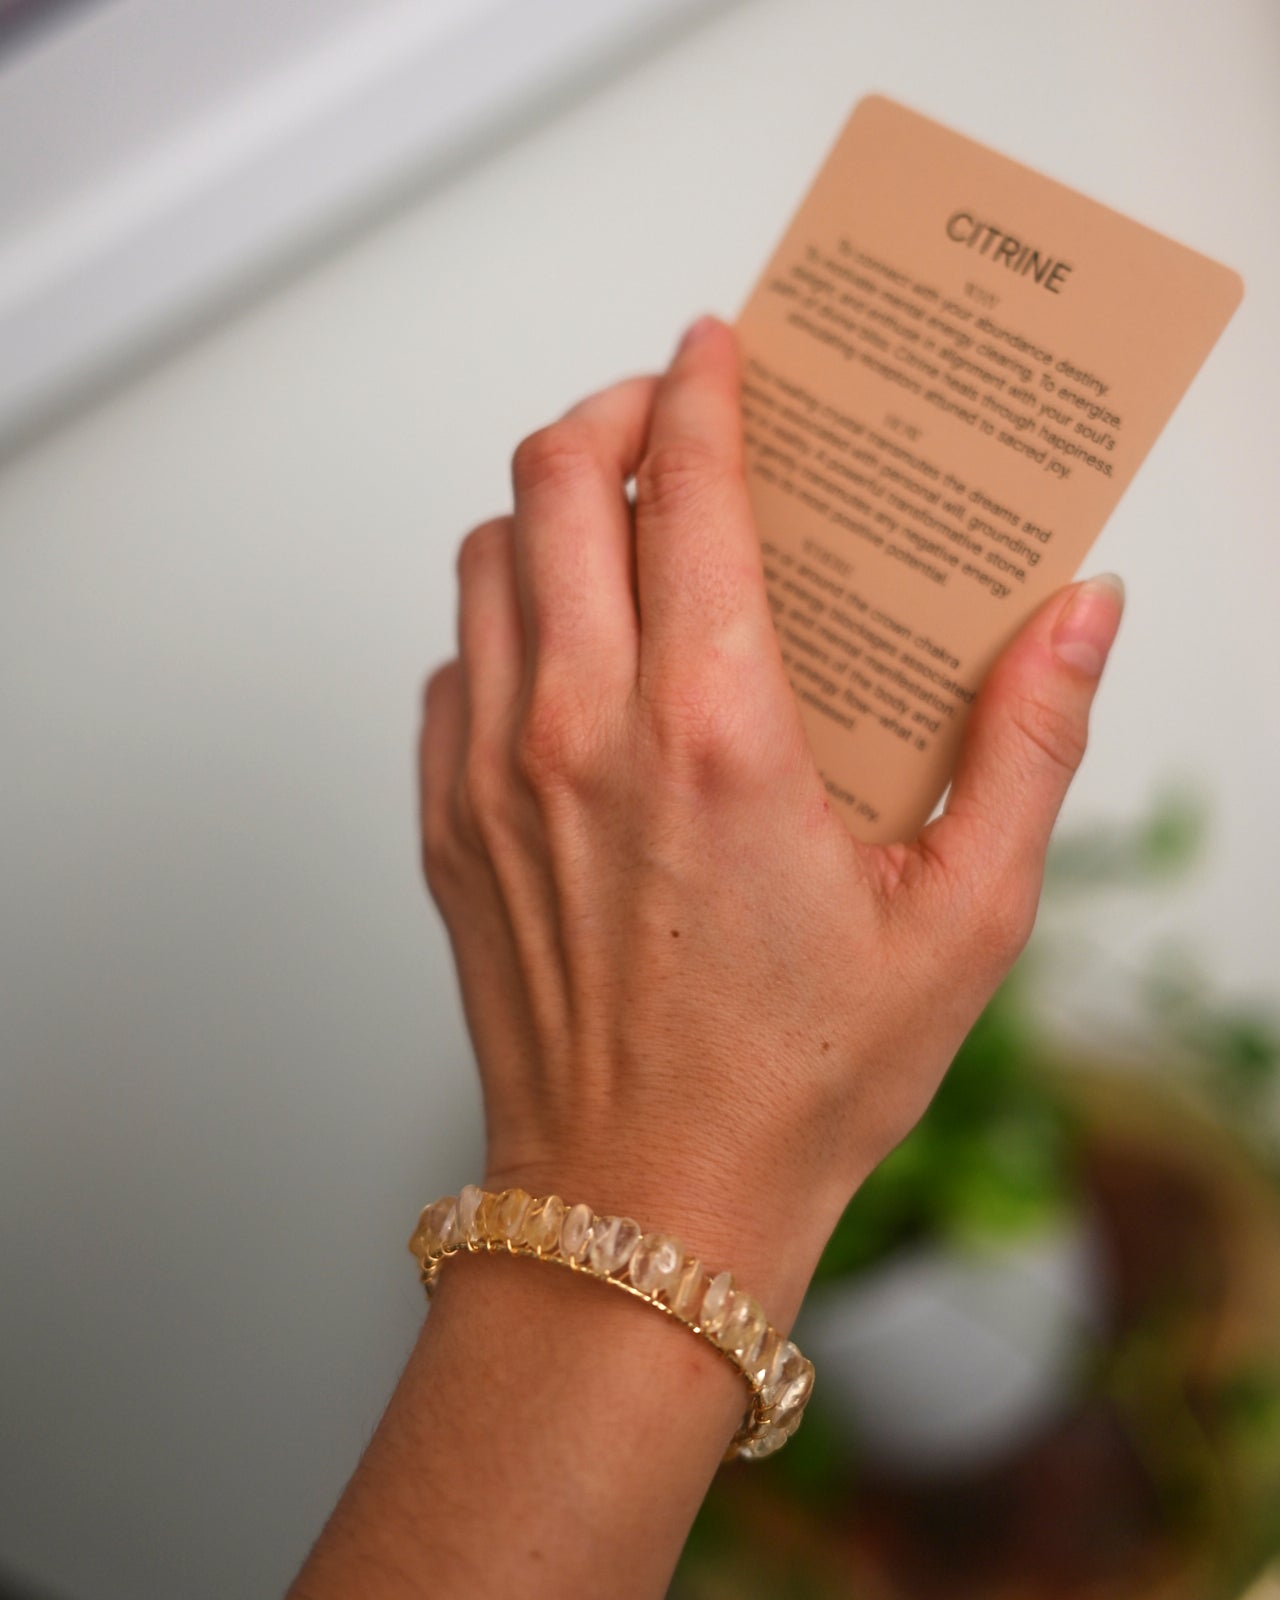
695 998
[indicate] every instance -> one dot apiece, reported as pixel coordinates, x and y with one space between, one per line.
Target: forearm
549 1436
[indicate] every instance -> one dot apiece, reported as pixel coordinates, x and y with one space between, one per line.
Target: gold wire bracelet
650 1266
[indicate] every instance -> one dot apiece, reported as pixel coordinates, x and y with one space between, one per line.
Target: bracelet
648 1265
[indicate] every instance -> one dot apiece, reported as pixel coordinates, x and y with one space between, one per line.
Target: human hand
695 998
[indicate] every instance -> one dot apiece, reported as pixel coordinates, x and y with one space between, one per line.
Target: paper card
952 368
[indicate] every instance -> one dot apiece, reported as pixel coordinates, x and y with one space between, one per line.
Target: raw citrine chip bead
612 1241
469 1211
437 1228
575 1232
716 1303
509 1212
487 1216
685 1295
655 1264
744 1327
542 1224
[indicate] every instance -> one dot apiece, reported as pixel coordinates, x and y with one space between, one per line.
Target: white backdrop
231 1059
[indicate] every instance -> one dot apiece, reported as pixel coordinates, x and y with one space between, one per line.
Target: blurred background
280 288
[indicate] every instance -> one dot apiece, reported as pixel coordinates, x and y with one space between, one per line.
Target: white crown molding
209 140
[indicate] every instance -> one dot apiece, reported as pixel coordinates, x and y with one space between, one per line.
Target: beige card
952 368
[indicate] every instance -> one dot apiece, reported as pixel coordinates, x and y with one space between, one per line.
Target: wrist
654 1267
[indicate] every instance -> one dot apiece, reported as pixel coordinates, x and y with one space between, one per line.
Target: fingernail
695 332
1087 627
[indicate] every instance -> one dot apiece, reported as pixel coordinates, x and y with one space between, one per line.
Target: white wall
231 1060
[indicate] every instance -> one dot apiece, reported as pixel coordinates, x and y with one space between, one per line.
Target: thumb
1024 741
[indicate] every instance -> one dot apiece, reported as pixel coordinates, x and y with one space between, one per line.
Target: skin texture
695 999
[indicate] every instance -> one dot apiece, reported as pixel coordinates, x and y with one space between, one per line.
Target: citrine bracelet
648 1265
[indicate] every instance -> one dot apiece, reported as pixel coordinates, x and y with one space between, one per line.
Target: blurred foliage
996 1154
1000 1153
1228 1050
1156 848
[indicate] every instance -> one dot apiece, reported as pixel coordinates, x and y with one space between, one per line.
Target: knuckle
554 457
443 846
440 682
1011 918
555 747
700 728
486 786
483 542
467 830
996 928
1050 729
673 478
442 852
